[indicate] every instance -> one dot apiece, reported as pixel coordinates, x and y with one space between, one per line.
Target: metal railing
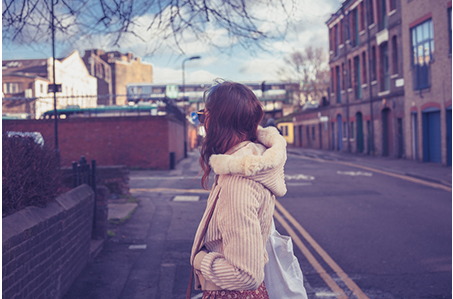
82 173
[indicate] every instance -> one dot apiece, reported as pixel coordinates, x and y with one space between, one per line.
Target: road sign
172 91
194 117
51 88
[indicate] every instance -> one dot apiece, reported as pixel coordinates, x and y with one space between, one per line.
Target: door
368 129
414 122
431 136
340 132
448 120
359 132
400 138
385 132
320 135
333 135
300 136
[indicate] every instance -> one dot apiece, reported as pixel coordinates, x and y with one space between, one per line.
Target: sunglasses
201 116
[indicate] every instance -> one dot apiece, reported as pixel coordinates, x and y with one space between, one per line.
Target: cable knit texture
249 175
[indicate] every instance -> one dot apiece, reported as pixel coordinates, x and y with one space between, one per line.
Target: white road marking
133 247
299 177
298 184
355 173
186 198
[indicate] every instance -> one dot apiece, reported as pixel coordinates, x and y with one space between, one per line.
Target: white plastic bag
282 274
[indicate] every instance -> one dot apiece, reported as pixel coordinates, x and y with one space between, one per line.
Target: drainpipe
346 89
369 78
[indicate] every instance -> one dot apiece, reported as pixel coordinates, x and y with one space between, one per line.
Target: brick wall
138 141
45 249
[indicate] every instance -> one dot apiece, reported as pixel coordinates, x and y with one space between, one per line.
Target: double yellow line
339 293
395 175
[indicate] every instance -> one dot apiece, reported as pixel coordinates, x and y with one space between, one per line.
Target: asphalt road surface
357 233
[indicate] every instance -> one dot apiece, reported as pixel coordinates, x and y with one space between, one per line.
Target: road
358 232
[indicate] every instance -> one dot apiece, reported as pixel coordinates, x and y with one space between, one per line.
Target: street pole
184 101
55 115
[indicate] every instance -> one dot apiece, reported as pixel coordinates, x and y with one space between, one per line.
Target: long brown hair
233 114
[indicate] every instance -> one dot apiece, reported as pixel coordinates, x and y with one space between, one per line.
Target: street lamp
184 101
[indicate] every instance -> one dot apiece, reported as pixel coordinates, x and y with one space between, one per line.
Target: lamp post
184 101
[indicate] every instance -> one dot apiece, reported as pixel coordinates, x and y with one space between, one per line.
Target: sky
233 62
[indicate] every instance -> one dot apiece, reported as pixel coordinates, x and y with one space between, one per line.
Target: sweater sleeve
241 267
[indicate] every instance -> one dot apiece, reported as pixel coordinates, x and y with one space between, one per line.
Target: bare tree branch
28 20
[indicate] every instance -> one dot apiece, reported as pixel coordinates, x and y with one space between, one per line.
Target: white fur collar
253 158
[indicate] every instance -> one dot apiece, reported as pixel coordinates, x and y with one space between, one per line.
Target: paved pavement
148 251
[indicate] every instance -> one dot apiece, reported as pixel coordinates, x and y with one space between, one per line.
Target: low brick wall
45 249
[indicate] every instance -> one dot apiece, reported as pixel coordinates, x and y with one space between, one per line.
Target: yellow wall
287 130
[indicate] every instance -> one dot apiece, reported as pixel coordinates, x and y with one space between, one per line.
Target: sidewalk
432 172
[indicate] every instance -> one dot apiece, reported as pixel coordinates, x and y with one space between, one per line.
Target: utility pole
184 101
57 150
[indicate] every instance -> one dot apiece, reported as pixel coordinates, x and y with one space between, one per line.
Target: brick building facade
427 74
100 69
122 68
372 97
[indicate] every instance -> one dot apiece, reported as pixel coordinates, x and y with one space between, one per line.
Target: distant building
427 64
124 69
100 69
25 85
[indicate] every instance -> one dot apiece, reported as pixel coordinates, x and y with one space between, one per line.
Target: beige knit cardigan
249 175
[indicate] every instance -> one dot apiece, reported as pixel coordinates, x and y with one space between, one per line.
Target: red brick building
427 74
115 70
374 106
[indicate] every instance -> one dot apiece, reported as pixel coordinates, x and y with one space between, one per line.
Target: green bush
30 174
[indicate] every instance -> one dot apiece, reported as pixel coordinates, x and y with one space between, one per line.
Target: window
362 16
355 27
350 74
331 81
12 87
364 77
373 64
342 77
449 29
357 79
313 132
338 81
384 67
392 5
382 14
41 88
370 12
337 40
422 53
395 55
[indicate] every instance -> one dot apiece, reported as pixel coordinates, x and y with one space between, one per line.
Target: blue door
340 132
448 118
359 132
431 136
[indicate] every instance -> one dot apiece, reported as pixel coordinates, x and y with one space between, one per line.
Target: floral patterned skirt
260 293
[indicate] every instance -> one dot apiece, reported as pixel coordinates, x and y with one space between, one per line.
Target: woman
248 162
